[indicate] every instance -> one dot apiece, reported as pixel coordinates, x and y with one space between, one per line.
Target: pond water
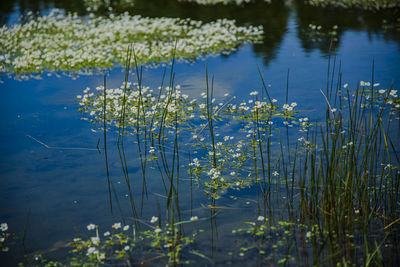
53 178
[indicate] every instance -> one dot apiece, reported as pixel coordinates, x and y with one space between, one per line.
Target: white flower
91 226
275 173
126 228
393 93
92 250
274 100
157 230
194 218
4 227
254 93
345 85
214 173
126 248
154 219
107 233
260 218
116 225
233 173
382 91
95 240
195 162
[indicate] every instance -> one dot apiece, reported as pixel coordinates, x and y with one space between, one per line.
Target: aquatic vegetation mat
362 4
95 5
67 43
225 2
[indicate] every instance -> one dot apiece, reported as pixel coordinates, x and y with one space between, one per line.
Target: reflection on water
277 216
383 23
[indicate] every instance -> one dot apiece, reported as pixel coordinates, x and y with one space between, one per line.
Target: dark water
66 189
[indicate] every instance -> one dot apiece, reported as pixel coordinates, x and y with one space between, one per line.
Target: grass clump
329 183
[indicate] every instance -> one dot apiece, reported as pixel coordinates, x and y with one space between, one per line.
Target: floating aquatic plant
68 43
128 246
225 2
152 104
216 167
270 239
95 5
317 34
363 4
5 237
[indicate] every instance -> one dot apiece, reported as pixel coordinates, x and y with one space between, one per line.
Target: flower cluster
68 43
95 5
119 243
139 104
316 33
3 236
